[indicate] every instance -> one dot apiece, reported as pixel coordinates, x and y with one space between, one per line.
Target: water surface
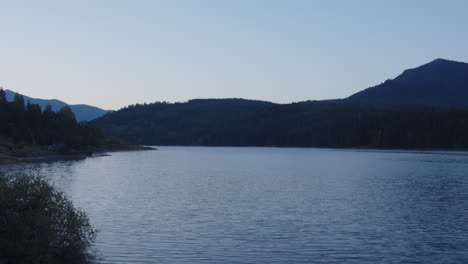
271 205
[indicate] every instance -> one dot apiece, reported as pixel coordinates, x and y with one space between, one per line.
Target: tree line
25 123
236 122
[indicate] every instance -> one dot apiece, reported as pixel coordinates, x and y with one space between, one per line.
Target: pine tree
18 99
2 96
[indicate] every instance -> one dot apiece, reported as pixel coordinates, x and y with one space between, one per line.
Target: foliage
235 122
58 131
40 225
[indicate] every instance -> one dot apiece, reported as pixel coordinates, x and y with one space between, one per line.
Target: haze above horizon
114 53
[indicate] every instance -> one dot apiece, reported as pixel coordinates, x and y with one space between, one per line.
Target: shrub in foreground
38 224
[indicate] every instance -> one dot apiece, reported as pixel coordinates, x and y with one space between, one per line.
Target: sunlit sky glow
114 53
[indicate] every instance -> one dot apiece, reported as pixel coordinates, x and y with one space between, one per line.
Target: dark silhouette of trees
235 122
57 131
2 95
40 225
18 99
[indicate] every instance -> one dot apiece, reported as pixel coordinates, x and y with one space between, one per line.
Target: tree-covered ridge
414 110
235 122
178 123
82 112
27 125
438 83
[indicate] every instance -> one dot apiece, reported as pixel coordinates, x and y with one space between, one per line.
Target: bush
38 224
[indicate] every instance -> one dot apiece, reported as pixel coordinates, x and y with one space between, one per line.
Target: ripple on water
271 205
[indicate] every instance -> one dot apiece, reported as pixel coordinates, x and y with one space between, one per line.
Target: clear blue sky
114 53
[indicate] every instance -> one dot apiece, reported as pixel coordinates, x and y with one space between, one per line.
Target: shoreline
6 159
364 148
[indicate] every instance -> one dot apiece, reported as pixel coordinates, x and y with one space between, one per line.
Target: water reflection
268 205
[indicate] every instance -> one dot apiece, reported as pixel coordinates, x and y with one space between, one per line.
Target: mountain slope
221 122
400 113
179 123
438 83
82 112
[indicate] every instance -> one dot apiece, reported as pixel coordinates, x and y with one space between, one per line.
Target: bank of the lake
14 153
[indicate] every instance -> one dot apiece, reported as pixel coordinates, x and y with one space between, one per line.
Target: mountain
29 132
177 123
82 112
404 112
438 83
237 122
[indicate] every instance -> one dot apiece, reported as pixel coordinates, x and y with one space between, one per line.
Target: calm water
271 205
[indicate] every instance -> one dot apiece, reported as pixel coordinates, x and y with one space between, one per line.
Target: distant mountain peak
445 61
82 112
439 67
442 63
440 60
440 82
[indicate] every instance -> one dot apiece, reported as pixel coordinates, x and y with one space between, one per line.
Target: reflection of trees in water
58 173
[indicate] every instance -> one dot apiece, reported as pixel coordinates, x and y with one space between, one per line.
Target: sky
111 53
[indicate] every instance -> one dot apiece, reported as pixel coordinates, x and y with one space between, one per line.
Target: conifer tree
2 96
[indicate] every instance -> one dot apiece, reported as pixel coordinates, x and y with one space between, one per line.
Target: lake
271 205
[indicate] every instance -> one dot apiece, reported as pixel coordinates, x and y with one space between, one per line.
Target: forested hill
415 110
438 83
30 131
179 123
307 124
82 112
